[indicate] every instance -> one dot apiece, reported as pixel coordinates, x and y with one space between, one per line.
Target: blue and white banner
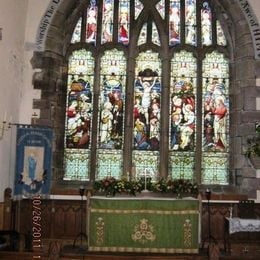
33 161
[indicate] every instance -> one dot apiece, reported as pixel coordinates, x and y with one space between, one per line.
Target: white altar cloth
243 225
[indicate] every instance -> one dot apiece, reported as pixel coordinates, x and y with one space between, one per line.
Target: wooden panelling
1 215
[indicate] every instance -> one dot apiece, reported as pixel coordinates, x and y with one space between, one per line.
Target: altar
157 225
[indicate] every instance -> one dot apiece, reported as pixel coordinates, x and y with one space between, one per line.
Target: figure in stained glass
91 26
79 112
206 24
107 21
215 111
182 116
190 18
147 110
174 23
124 22
111 121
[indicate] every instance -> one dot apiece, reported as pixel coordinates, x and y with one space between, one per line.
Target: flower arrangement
111 186
178 186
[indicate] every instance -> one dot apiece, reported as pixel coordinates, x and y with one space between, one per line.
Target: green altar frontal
143 225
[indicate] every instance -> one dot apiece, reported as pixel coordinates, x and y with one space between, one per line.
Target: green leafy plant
253 144
112 186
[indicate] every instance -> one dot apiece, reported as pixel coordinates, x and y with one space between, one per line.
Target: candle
5 115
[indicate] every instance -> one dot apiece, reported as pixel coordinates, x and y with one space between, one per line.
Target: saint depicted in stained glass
79 112
147 111
174 22
91 24
215 116
107 22
182 116
123 28
206 24
190 21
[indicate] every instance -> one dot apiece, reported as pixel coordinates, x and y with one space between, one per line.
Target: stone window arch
52 80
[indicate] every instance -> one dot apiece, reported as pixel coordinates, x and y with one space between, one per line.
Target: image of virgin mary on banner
33 161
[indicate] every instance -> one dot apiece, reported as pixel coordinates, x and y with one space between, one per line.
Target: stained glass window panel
190 22
109 164
214 169
78 115
91 24
145 164
143 35
221 39
123 23
181 165
161 8
215 116
206 24
76 164
113 68
77 32
138 8
174 22
107 21
147 102
183 91
155 35
79 100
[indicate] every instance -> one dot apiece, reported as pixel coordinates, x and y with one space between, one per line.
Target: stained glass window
182 114
161 8
123 21
221 39
143 35
138 8
215 119
190 22
174 22
107 21
91 24
206 24
79 114
155 35
147 96
111 112
77 32
146 111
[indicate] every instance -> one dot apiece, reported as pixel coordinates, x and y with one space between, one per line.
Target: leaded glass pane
155 35
109 164
76 164
79 100
215 116
183 91
145 164
161 8
143 35
138 8
221 39
78 115
107 21
123 21
190 22
111 107
91 24
147 100
174 22
214 169
77 32
206 24
181 165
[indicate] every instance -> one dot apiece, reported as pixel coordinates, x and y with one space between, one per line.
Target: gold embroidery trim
100 231
187 236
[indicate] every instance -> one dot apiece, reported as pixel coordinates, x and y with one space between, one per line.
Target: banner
33 161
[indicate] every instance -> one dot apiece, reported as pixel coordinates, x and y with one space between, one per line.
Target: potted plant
253 148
